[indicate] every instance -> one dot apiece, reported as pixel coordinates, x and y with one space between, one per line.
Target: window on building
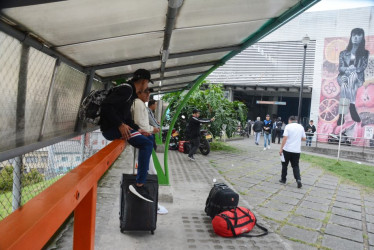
64 158
31 159
44 158
77 158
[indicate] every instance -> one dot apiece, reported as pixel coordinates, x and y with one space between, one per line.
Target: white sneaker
268 147
161 209
135 192
264 148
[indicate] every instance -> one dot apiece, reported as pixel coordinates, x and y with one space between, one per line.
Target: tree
212 103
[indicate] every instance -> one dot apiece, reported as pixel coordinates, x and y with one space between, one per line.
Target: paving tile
348 222
310 213
369 204
370 218
291 194
271 213
315 206
285 199
299 245
279 206
306 222
347 200
344 232
349 206
346 213
370 227
300 234
340 244
349 195
371 239
321 194
319 200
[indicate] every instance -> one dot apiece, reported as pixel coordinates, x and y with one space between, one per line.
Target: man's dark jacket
116 107
194 126
257 127
310 130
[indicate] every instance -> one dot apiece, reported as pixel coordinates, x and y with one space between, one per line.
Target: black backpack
221 198
279 125
89 110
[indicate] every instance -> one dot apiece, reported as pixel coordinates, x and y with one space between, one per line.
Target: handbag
236 222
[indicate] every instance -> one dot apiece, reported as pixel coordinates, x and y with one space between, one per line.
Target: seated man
140 114
116 123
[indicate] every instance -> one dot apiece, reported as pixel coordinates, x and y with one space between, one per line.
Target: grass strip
358 173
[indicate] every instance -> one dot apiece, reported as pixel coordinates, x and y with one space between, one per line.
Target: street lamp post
305 42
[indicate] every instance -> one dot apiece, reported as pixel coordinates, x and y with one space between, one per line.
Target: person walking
116 122
257 128
278 129
310 130
291 148
194 131
267 132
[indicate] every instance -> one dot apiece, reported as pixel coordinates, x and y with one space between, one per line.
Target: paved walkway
325 213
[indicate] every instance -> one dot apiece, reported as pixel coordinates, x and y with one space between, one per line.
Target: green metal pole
159 135
179 109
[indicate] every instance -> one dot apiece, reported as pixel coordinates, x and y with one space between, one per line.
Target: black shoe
299 185
282 181
142 192
354 114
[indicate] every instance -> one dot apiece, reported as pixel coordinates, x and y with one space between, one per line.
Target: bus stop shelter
53 53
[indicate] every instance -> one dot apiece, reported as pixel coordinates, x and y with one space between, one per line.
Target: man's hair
258 118
311 121
151 102
292 118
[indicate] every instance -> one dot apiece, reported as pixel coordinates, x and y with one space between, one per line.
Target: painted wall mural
347 91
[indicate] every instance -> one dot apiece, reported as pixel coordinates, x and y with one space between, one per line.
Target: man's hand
213 119
281 151
156 130
125 131
143 132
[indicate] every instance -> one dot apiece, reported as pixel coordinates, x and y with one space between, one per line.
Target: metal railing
25 176
32 226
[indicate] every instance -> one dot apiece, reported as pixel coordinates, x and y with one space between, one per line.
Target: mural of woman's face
357 38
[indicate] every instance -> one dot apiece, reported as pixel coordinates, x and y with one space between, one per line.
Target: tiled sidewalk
325 213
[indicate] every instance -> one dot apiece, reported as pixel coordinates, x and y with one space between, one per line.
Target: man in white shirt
291 148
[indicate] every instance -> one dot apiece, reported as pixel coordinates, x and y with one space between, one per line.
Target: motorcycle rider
194 131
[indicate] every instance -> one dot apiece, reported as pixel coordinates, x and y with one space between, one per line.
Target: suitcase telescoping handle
134 161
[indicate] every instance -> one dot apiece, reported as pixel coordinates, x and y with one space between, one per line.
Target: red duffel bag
236 222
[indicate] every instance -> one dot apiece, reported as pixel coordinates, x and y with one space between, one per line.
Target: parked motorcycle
205 139
174 138
334 139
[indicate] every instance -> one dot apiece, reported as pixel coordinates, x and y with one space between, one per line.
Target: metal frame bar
79 124
171 85
11 153
49 98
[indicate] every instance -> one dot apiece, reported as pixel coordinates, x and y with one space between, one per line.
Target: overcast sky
341 4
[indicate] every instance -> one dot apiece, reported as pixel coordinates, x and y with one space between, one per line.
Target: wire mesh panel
66 98
10 55
23 177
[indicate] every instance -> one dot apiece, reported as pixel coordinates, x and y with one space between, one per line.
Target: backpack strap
266 231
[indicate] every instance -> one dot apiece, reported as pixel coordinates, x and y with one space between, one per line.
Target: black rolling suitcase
221 198
135 213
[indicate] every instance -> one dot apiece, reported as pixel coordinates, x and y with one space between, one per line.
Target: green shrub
6 178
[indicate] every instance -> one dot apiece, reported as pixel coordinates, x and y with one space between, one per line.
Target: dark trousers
195 143
278 134
294 159
273 134
143 143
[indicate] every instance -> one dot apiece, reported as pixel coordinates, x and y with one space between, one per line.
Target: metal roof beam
188 66
171 85
173 9
171 56
179 76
